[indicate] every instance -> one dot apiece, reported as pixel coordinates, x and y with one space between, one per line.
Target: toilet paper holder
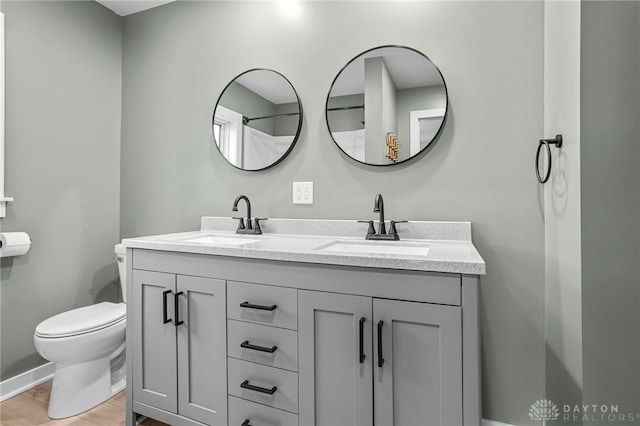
29 239
14 243
1 243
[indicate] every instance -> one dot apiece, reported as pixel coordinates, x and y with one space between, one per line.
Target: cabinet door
420 380
202 352
154 341
334 383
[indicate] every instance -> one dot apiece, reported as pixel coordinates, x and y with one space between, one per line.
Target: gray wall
350 119
379 110
419 98
610 165
287 125
248 103
179 57
63 108
563 280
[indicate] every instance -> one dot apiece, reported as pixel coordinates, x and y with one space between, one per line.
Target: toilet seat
82 320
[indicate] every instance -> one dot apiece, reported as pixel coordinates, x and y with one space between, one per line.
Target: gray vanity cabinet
179 365
419 381
335 381
217 340
155 380
345 380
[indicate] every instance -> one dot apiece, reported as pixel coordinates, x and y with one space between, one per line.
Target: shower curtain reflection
259 148
351 142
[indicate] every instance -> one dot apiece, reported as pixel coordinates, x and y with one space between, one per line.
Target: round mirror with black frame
257 119
386 105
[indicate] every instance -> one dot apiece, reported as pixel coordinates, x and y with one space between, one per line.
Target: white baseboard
25 381
486 422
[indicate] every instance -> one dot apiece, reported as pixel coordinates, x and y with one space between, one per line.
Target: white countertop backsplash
455 231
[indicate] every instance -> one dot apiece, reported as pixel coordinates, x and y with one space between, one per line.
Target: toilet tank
121 259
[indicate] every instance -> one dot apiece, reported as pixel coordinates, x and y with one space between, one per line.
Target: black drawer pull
177 308
259 307
246 423
164 306
380 359
362 355
247 385
248 345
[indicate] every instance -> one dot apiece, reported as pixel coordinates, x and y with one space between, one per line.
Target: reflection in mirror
386 105
257 119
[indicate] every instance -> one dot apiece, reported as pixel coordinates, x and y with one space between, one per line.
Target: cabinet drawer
285 396
241 410
284 315
285 343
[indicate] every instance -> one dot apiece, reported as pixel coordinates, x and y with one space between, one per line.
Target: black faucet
378 207
249 228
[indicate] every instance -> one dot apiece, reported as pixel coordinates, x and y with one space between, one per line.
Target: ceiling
269 85
408 69
127 7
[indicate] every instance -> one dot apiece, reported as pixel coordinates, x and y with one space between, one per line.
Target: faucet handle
392 226
371 229
256 226
241 223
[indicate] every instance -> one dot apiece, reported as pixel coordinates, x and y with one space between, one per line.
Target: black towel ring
557 141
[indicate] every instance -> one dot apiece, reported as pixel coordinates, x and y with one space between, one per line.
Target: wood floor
30 409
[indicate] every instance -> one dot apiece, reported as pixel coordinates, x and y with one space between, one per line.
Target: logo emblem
543 409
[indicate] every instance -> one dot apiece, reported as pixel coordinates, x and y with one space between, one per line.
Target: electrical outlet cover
302 192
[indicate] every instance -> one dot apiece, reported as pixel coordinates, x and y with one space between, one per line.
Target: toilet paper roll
14 243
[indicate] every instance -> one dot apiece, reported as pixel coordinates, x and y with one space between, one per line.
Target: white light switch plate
302 192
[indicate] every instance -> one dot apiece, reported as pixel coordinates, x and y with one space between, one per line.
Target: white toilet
87 346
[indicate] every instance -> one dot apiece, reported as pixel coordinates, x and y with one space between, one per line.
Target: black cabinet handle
380 359
362 355
247 385
176 306
164 306
248 345
258 307
246 423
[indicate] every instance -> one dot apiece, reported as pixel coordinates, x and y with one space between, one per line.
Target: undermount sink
395 248
220 240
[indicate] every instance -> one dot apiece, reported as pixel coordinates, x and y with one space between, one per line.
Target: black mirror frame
295 138
435 137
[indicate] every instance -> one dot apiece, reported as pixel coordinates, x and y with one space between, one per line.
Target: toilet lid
82 320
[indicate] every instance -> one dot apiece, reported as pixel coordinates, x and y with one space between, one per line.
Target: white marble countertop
298 240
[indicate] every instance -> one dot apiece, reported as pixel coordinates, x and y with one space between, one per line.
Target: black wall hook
557 141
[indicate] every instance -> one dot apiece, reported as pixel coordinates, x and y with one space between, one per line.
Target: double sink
378 243
341 246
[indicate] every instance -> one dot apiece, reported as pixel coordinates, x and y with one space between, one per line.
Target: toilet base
81 386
